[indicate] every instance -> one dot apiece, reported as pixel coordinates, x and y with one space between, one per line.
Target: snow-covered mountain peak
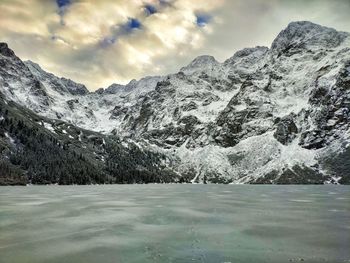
58 84
247 53
114 88
304 34
203 60
35 67
5 50
201 63
141 86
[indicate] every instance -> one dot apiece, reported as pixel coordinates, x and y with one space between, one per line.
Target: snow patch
12 141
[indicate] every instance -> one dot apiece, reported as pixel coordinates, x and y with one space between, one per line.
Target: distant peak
308 33
201 63
31 63
114 88
132 82
204 59
301 28
34 65
5 50
255 51
304 24
247 51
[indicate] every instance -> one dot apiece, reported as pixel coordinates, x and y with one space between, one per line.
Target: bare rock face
74 88
286 130
6 51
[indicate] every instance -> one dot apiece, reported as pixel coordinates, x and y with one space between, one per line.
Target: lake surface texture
175 223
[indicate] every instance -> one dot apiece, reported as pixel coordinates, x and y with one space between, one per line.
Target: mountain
265 115
38 150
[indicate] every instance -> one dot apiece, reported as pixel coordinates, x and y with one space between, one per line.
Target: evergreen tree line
35 155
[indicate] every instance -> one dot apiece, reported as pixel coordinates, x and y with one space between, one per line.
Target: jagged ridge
264 115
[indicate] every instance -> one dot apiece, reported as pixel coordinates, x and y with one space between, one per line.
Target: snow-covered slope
60 98
264 115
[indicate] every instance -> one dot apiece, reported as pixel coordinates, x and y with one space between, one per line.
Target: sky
100 42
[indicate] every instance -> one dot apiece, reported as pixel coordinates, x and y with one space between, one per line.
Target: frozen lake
175 223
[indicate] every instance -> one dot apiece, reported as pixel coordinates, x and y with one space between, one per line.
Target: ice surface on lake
174 223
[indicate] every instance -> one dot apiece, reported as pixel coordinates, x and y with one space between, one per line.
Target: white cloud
166 41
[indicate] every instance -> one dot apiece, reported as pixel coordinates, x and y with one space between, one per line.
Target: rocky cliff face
265 115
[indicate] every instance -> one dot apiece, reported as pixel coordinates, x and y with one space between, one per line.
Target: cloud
101 42
117 31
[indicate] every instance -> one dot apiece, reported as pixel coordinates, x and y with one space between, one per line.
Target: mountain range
277 115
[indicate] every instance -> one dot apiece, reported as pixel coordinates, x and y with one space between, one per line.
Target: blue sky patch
202 19
150 9
128 27
62 8
63 3
133 23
